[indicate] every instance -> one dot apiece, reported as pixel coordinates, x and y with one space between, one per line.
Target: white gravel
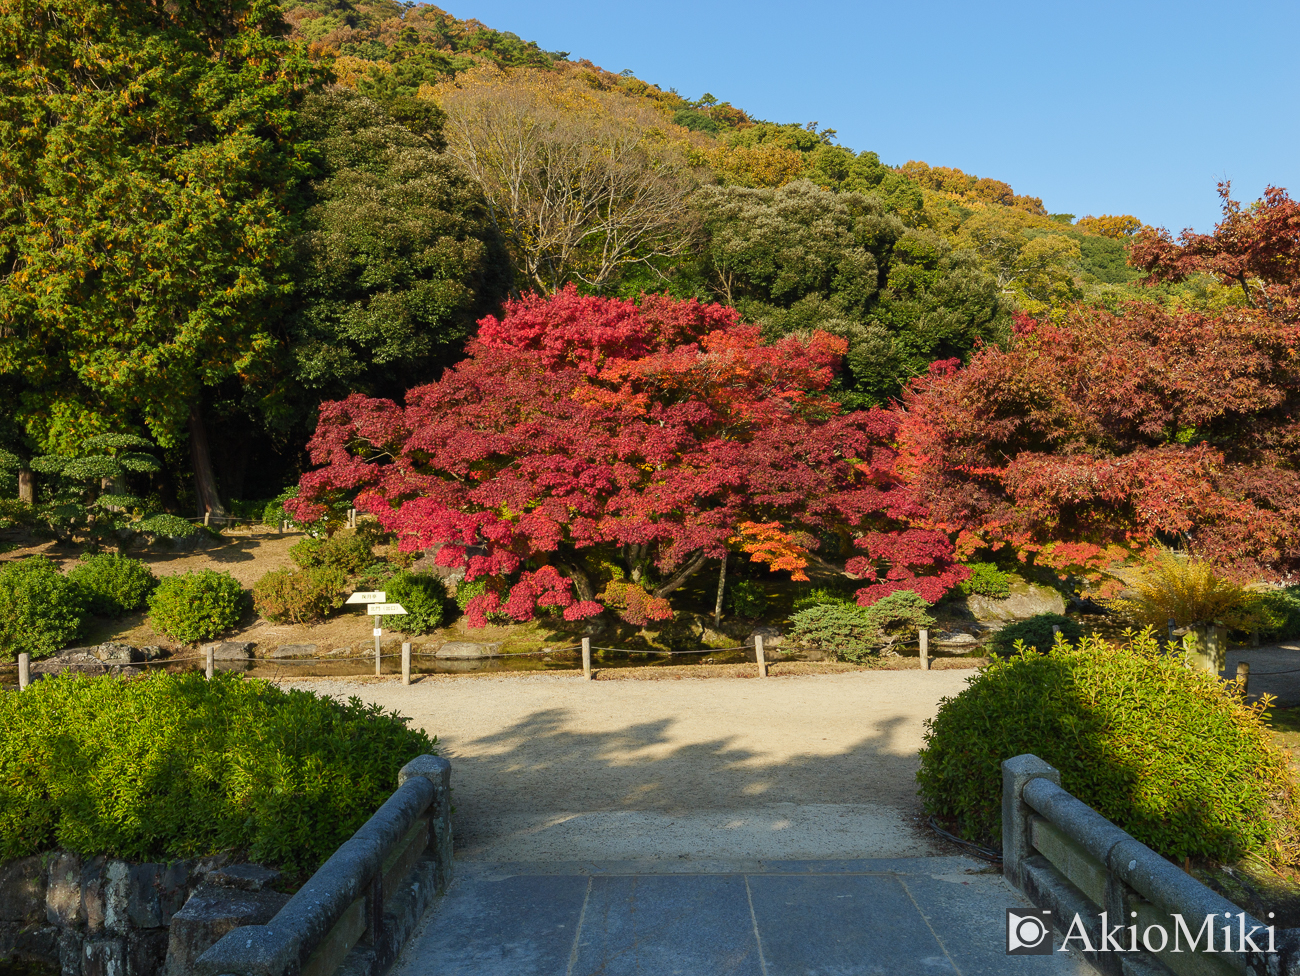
549 767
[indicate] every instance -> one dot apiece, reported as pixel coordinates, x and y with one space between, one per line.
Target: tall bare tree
581 183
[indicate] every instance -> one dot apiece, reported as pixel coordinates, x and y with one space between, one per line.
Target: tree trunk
581 582
722 586
27 487
205 485
682 575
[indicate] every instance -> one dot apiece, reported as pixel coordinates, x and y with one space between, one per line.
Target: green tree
801 257
147 167
397 257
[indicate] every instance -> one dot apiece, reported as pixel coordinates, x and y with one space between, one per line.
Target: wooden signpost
376 607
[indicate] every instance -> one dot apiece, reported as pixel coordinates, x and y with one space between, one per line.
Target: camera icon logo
1029 935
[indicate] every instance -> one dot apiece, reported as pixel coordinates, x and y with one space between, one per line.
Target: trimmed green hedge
113 585
1034 632
1169 754
176 766
41 610
197 605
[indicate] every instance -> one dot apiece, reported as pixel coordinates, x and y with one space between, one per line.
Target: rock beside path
468 650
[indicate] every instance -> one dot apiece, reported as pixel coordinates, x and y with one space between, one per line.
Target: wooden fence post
760 656
925 649
378 634
406 662
212 661
24 670
586 658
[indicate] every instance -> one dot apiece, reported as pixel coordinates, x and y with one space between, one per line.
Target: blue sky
1104 107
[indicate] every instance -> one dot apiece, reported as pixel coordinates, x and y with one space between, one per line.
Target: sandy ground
549 767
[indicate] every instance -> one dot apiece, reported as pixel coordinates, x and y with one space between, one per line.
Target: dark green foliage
112 585
854 633
1169 754
802 258
746 599
349 554
196 606
41 610
987 580
166 525
299 596
817 595
422 595
176 766
697 121
1036 632
273 514
1279 611
397 259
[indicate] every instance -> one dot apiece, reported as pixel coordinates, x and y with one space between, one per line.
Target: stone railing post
1016 842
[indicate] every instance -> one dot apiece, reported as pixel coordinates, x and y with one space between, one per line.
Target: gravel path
548 767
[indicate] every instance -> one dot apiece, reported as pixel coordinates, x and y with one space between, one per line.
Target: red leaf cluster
659 427
1119 429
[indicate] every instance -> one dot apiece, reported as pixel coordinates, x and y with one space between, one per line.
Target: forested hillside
275 207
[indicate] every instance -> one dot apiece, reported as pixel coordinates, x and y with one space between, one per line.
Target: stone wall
106 917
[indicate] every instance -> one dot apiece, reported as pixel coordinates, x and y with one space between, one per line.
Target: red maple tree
584 432
1118 429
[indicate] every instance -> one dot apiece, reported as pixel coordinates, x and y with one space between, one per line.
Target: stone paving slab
896 916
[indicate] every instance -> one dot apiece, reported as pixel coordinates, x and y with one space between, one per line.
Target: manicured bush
175 766
853 633
422 595
111 584
1172 755
299 596
746 599
350 554
1036 632
166 525
197 605
986 580
41 610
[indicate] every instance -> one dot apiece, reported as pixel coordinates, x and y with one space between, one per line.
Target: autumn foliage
1105 431
584 433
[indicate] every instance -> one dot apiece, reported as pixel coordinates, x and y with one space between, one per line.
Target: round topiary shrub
289 596
854 633
196 606
1169 754
1035 632
747 599
422 595
111 584
175 766
41 610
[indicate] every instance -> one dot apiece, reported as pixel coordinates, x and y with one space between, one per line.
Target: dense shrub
349 554
747 599
301 596
1170 754
986 579
1278 612
853 633
112 585
422 595
175 766
274 514
466 590
197 605
1036 632
41 610
15 513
